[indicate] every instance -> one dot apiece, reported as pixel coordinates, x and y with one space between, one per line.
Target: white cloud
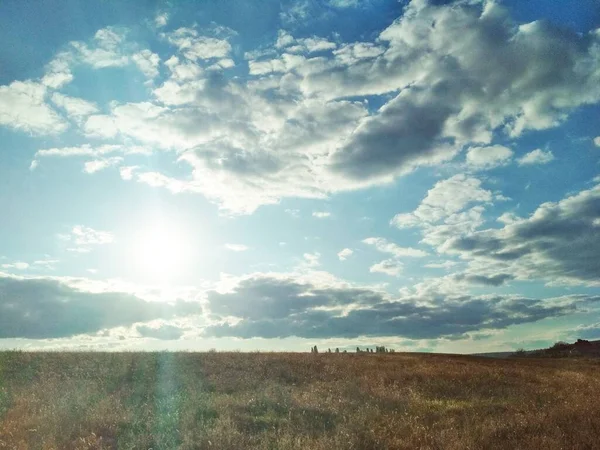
147 62
98 152
236 247
127 172
76 108
537 156
446 198
161 19
321 214
389 267
106 50
195 47
311 260
597 141
288 131
58 71
284 39
183 70
85 238
19 265
101 164
344 3
344 254
45 263
298 12
488 157
385 246
23 107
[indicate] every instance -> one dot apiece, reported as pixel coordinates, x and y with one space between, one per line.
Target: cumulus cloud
449 76
147 62
40 308
597 141
85 238
277 306
101 164
23 107
446 199
488 157
105 50
536 157
391 267
311 260
194 47
344 254
559 242
76 108
161 19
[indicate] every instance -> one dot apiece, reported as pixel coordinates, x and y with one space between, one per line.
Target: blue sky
193 175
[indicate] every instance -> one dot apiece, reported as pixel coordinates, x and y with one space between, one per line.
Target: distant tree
345 351
316 349
520 352
357 349
337 350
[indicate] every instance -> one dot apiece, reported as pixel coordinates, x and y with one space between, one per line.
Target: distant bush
561 345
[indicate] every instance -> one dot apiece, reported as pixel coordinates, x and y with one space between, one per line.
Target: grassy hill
296 401
578 349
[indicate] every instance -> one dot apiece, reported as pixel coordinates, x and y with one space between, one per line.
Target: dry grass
295 401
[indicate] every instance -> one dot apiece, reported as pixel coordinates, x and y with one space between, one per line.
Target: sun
160 251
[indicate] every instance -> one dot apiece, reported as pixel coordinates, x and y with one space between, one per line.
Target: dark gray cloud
407 131
47 308
277 298
559 242
271 307
495 280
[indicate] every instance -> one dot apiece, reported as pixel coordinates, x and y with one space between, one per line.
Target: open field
300 401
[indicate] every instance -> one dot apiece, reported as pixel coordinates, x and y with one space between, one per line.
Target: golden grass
296 401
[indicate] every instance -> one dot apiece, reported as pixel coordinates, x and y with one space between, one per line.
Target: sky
275 175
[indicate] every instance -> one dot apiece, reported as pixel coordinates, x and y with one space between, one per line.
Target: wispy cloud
537 156
383 245
85 238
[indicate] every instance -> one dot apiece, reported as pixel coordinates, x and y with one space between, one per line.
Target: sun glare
160 252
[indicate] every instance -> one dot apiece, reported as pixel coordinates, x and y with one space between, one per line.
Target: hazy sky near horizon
273 175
